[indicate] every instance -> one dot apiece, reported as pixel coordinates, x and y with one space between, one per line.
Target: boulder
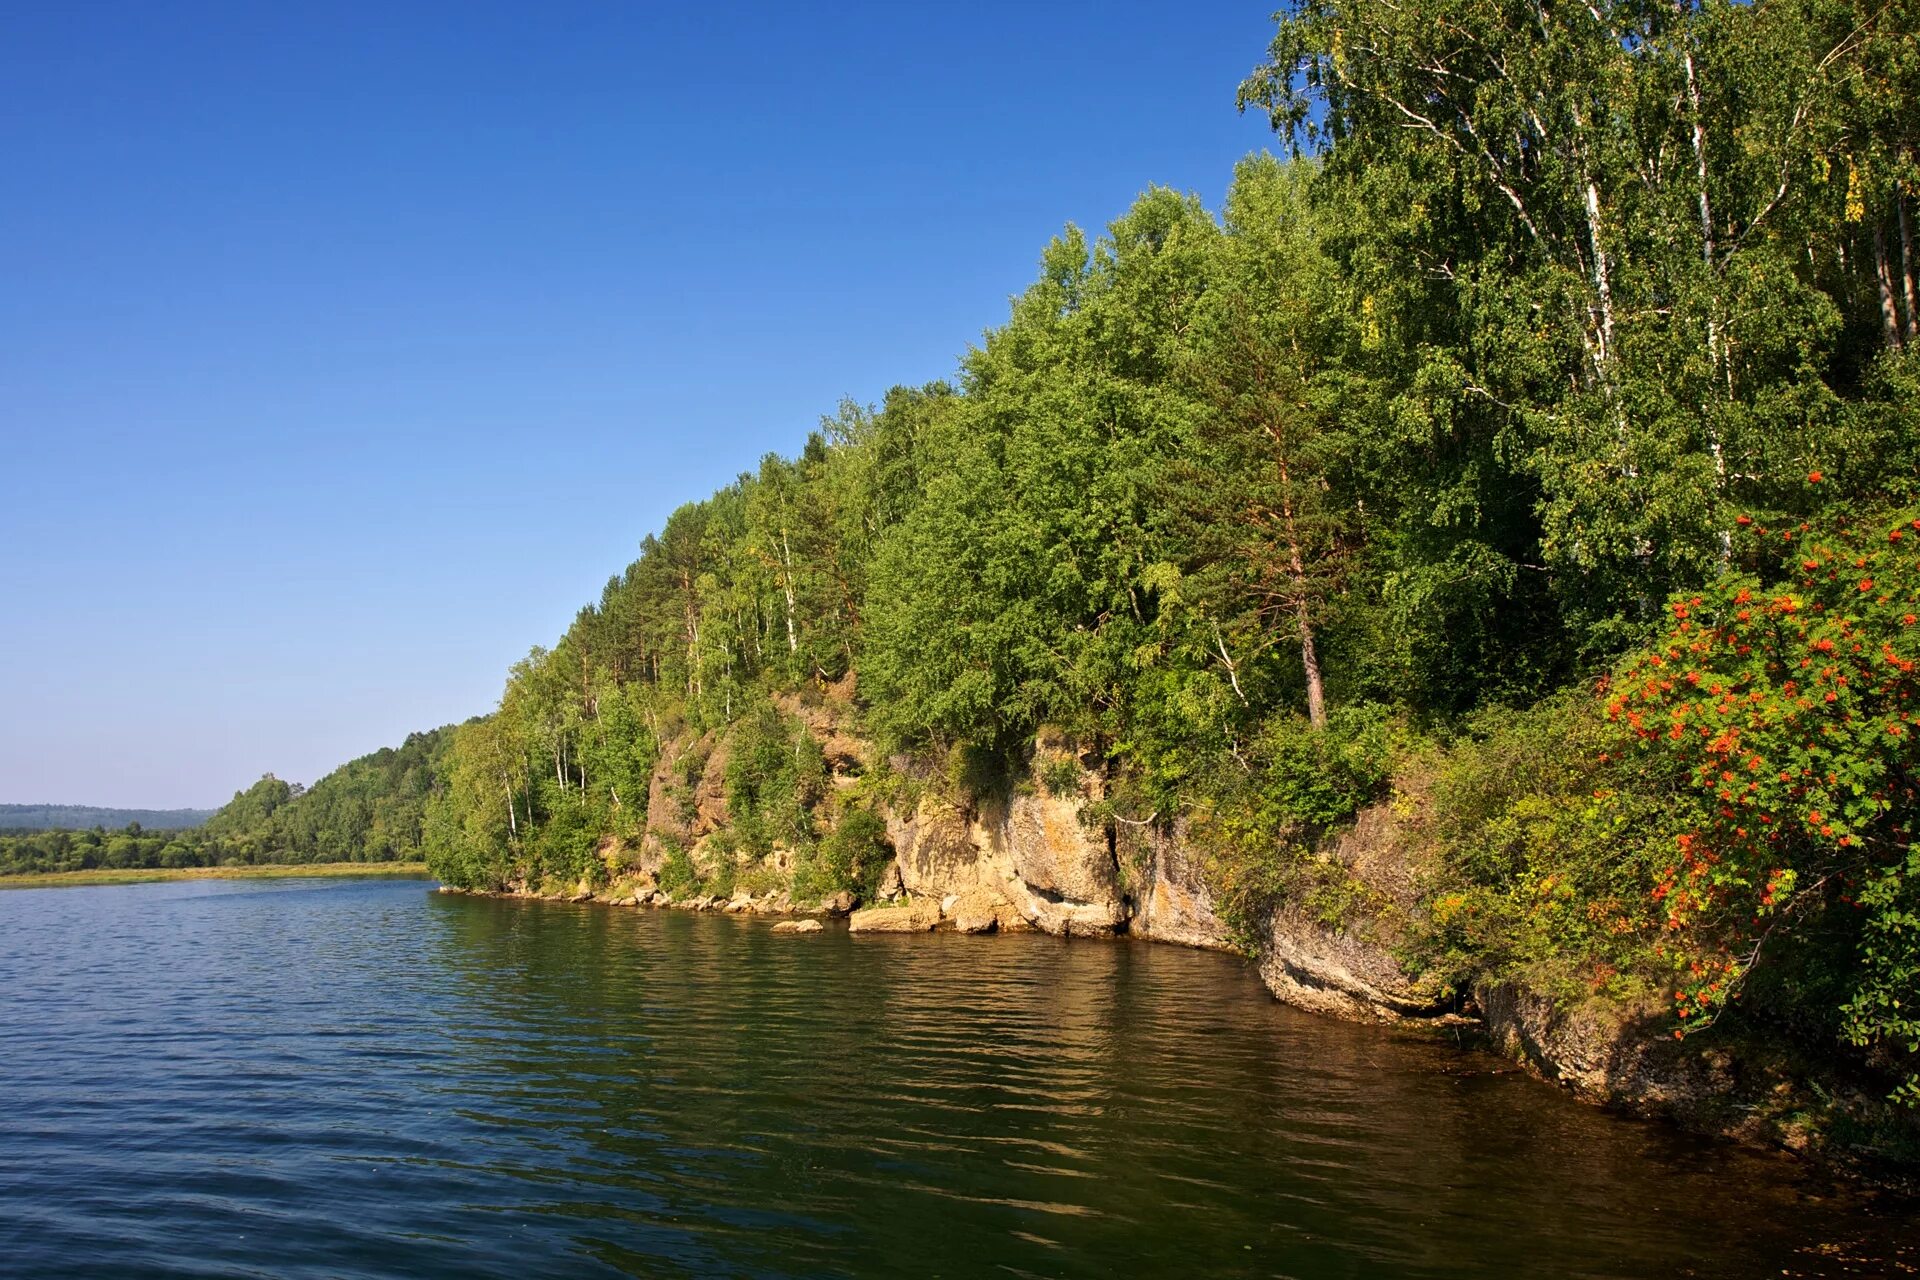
917 916
798 926
980 911
841 903
891 886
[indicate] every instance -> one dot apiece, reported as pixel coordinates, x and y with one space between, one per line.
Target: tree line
371 809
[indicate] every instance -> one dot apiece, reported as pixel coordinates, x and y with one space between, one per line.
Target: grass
139 875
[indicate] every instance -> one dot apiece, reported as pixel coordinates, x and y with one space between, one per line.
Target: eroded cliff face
1034 860
1349 966
1031 859
1171 900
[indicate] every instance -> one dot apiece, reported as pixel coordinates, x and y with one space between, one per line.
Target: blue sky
345 350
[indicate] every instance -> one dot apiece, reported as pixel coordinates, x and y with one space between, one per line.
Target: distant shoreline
137 875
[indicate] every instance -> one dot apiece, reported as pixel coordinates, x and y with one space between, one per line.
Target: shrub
677 875
974 771
1547 840
854 856
775 775
1293 784
1788 710
1060 775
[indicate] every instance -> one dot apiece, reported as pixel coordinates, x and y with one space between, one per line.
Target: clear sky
347 349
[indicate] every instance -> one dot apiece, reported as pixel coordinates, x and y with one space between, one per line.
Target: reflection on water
365 1078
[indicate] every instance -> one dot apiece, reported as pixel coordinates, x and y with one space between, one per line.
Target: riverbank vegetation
143 875
1548 420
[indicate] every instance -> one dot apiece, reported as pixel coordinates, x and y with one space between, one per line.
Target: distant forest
79 817
368 810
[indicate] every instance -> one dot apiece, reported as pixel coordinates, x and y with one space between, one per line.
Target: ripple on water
365 1079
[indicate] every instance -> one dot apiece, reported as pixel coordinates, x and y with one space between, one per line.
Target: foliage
1275 804
80 817
776 775
1784 697
853 856
1547 844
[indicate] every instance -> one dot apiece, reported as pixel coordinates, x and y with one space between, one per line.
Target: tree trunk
1309 656
1908 284
1706 224
786 585
1310 660
1597 245
1883 277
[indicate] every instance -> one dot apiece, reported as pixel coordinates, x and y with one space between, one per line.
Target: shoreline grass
140 875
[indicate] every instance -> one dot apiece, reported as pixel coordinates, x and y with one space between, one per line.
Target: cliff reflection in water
701 1089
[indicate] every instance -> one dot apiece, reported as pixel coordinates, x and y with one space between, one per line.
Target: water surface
364 1078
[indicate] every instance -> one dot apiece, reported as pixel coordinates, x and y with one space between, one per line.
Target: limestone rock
1173 904
980 911
1055 855
917 916
891 885
824 720
1349 970
1348 973
934 849
841 903
798 926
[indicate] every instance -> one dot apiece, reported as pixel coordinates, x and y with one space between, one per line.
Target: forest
368 810
1540 427
16 818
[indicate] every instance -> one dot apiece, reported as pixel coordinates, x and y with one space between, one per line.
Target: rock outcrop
1344 962
934 849
918 916
1172 902
1025 861
1032 859
1343 971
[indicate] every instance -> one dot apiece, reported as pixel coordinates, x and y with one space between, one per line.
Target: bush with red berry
1785 697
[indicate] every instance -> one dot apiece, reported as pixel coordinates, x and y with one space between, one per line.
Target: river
365 1078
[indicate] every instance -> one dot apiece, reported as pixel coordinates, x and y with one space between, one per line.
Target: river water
365 1078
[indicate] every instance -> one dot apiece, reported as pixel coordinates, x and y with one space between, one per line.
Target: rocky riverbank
1035 857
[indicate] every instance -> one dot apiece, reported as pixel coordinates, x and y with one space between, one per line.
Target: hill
368 810
84 817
